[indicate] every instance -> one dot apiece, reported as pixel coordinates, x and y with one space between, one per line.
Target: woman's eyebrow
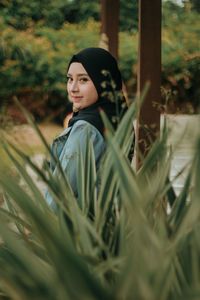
80 74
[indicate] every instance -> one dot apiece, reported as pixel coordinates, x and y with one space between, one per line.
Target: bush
33 62
181 58
121 245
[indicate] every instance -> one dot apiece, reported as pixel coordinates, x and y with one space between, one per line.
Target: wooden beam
148 123
110 24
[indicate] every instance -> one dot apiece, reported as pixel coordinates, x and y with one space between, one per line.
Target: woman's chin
76 107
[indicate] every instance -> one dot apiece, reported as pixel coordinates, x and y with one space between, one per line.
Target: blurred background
38 38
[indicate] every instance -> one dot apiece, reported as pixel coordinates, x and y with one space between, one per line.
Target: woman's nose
74 86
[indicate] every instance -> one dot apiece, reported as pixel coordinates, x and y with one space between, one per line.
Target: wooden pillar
148 123
110 24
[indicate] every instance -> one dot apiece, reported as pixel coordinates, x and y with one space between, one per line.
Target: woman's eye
69 79
83 80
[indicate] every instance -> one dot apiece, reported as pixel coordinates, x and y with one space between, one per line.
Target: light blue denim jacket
66 148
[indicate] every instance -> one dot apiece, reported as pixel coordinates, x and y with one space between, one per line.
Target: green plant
33 59
119 244
180 56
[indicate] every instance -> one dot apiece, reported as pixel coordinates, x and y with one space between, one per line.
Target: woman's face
81 90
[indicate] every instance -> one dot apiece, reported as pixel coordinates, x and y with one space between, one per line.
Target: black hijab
102 68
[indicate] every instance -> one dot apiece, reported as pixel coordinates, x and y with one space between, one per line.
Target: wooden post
148 123
110 24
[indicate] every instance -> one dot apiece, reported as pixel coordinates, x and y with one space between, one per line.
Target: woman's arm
76 144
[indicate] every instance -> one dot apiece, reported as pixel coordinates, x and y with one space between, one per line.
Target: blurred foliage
192 4
22 15
34 53
33 63
134 239
181 56
128 16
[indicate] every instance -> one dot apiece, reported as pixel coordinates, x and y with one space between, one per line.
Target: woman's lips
76 99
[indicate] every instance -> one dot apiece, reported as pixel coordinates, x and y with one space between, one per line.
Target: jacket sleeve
76 144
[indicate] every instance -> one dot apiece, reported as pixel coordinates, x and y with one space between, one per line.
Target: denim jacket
66 148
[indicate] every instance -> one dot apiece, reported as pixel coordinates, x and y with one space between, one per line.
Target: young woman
93 82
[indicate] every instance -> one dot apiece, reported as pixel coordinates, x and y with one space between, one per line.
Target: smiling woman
94 84
81 90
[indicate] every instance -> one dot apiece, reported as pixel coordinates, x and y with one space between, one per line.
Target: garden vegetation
38 38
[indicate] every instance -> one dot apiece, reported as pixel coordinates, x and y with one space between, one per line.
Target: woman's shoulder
78 132
84 126
78 125
82 130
